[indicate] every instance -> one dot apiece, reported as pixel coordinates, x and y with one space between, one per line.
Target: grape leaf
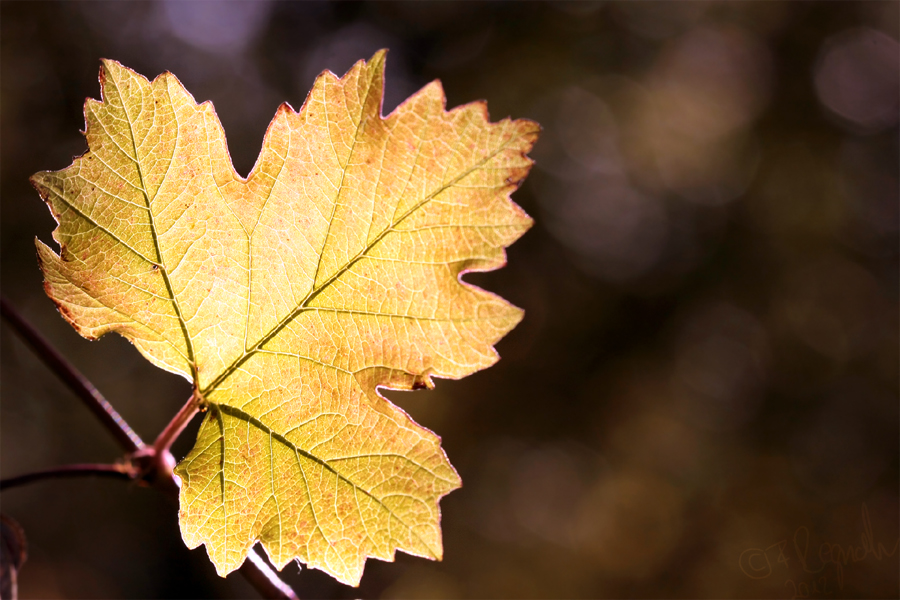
290 296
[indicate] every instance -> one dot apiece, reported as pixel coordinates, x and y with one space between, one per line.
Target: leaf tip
378 60
107 66
285 107
37 182
527 221
517 315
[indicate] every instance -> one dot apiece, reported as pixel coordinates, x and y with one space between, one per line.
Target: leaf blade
291 296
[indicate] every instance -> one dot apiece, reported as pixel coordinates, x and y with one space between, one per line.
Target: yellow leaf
289 297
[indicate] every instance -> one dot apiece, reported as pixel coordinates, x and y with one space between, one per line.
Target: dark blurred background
702 400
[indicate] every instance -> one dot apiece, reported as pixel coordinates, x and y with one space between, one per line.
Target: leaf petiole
173 429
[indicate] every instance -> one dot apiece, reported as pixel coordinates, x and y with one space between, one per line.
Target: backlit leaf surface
289 297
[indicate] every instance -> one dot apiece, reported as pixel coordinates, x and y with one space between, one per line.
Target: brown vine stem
255 570
82 470
78 383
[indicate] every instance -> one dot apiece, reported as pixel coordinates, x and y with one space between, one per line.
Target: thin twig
257 572
82 470
264 578
78 383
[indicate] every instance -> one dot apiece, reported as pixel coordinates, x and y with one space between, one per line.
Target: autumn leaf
289 297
